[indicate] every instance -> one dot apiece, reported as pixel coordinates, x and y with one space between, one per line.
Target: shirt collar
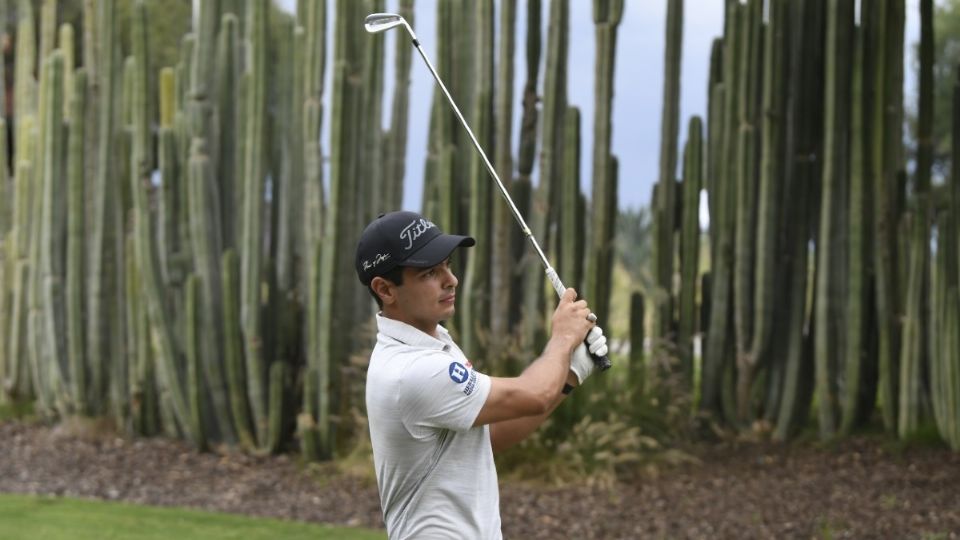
409 335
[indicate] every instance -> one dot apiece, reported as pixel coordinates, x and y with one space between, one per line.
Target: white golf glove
581 363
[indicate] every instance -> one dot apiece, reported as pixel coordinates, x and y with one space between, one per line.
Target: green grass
54 518
16 411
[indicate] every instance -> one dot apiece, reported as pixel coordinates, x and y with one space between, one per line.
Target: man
435 421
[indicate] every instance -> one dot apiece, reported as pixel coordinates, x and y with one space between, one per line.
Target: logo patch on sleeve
461 374
458 373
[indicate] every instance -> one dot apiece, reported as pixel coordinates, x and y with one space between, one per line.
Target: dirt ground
860 489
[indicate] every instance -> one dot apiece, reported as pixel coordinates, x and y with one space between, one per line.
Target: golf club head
381 22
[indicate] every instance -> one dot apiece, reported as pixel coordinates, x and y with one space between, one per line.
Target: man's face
426 297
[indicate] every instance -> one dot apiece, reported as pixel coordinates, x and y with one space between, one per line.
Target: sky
638 83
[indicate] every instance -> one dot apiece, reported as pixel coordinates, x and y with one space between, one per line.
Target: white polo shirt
435 471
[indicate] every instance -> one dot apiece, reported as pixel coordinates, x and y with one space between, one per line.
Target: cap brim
438 249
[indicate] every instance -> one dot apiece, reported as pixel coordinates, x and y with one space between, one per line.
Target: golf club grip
603 363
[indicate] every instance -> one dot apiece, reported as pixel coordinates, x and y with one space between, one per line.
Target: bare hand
570 323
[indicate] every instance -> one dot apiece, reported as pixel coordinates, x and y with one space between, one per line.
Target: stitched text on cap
411 232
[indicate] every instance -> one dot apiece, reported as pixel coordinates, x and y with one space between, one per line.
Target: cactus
476 305
100 269
606 17
250 254
75 244
338 236
278 375
665 216
52 233
637 365
722 223
746 188
395 140
884 169
205 235
571 216
690 244
233 349
543 208
767 270
501 261
194 382
805 115
858 392
830 282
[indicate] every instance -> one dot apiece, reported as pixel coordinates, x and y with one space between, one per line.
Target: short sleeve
437 391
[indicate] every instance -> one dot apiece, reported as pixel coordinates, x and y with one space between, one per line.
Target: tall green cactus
722 221
228 109
606 16
100 268
339 236
858 363
250 254
205 235
194 370
665 213
233 349
543 209
476 304
501 259
571 215
830 283
690 244
884 55
746 189
52 233
75 244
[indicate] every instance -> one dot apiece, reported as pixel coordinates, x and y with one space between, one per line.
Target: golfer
435 421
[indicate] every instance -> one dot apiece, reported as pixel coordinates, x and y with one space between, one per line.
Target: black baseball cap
403 239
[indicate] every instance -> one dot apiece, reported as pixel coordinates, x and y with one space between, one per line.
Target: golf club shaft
602 362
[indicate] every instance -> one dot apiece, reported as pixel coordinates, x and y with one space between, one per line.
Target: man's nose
450 278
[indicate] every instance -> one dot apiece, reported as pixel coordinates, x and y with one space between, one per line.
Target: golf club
381 22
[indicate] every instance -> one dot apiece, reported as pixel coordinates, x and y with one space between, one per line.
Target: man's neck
423 326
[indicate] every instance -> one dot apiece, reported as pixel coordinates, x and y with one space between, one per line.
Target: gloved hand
581 363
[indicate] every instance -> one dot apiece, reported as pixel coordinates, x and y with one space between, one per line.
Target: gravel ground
859 489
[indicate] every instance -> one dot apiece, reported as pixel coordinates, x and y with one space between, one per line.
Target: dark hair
394 276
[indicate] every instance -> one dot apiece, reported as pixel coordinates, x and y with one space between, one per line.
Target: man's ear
385 289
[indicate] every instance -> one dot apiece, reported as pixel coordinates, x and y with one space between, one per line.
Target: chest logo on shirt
458 373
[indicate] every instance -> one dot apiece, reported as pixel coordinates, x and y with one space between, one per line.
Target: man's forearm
505 434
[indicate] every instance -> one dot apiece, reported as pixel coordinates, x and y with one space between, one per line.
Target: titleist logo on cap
414 230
